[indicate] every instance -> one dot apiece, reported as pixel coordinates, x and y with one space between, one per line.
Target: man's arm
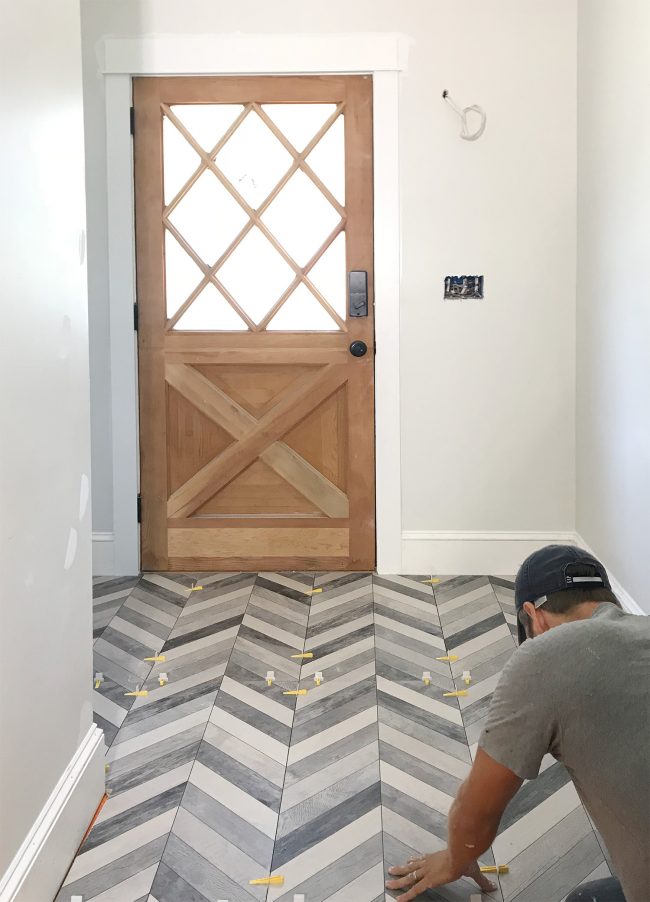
476 813
520 729
474 820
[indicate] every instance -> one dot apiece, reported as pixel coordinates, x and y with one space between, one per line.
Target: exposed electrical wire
465 133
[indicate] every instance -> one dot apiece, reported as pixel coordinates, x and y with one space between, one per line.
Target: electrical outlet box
463 288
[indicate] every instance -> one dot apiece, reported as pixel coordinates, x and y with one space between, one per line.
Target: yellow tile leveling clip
267 881
295 692
460 693
305 655
449 658
499 869
157 659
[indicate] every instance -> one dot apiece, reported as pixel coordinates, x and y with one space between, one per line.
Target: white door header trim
238 54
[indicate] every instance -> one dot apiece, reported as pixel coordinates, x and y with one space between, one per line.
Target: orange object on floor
95 816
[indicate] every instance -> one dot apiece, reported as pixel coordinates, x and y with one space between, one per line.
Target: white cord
465 134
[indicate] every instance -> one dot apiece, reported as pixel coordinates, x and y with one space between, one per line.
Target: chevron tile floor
216 777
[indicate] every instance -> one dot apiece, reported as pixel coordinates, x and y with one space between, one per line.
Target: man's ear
530 609
539 621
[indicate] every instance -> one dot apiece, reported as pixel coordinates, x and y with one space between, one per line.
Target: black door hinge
139 508
135 317
132 120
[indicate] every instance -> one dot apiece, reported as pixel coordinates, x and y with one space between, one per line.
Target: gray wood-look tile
212 882
219 654
242 834
169 887
107 876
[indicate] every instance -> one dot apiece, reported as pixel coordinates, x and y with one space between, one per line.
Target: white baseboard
627 602
104 554
468 553
488 553
43 860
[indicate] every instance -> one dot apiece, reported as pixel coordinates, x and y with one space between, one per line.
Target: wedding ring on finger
414 876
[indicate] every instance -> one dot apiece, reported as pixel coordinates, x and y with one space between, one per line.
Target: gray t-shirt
582 692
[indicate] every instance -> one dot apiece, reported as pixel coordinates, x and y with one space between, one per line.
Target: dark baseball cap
555 569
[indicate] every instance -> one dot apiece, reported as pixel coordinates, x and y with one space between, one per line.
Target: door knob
358 348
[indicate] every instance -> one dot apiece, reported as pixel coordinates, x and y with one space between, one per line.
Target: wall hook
465 134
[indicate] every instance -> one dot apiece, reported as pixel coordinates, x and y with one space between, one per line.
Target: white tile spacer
270 677
300 898
467 677
318 677
426 677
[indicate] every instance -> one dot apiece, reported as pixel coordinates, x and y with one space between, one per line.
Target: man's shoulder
553 646
567 639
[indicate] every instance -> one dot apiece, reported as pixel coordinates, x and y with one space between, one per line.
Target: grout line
144 680
109 745
128 710
293 719
381 782
462 717
180 803
117 610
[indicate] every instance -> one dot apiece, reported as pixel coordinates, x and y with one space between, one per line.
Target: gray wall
613 370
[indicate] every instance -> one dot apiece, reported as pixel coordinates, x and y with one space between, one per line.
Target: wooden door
253 202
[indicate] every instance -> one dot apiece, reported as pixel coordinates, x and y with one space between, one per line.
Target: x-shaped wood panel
257 439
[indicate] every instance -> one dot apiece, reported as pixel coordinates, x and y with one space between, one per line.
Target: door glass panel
302 312
208 217
210 220
329 275
255 275
180 160
207 122
253 160
211 312
182 275
301 218
327 160
299 122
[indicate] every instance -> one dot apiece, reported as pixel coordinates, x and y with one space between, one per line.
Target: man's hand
473 822
420 874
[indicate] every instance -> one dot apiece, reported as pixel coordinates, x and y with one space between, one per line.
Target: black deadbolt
358 348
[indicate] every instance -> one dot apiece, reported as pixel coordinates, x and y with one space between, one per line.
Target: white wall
487 387
46 610
613 381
